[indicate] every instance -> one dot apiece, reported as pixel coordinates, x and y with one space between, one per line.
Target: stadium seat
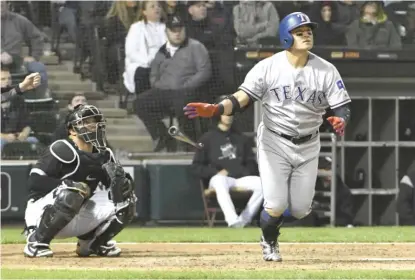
211 207
21 151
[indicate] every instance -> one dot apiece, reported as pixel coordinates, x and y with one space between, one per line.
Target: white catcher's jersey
294 100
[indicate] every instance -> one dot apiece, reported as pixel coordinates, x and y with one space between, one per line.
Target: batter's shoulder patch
340 84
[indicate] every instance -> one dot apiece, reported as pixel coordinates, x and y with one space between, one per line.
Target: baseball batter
295 88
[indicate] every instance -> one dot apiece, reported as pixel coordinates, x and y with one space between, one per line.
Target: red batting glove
338 124
204 110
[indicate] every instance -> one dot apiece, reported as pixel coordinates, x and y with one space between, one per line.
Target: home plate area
238 256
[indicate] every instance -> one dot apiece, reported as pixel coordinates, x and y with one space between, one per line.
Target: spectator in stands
174 8
90 14
14 118
17 30
373 29
254 20
227 161
67 18
8 92
61 131
179 73
144 39
287 7
347 12
328 33
119 18
408 29
406 198
200 27
220 15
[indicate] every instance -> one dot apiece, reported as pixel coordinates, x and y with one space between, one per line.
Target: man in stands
178 74
16 30
14 119
225 162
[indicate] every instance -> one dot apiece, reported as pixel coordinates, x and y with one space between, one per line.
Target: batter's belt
295 140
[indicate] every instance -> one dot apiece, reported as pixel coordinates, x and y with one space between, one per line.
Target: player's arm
252 89
339 100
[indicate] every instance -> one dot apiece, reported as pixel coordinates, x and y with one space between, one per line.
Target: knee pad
56 216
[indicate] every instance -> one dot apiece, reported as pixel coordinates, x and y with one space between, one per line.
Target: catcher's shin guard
98 241
55 217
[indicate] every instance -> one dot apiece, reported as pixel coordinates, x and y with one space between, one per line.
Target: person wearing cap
178 74
254 20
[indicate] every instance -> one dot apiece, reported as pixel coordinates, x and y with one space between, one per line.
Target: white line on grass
251 243
387 259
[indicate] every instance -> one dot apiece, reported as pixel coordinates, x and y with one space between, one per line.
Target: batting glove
338 124
204 110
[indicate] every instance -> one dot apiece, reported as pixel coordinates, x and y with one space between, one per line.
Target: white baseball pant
222 184
93 212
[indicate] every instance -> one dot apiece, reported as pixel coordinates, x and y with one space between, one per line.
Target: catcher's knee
69 199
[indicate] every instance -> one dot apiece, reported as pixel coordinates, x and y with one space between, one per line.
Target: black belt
296 140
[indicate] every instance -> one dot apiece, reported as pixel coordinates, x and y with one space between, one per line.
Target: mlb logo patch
340 84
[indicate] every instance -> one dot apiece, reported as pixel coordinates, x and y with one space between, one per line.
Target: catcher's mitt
116 178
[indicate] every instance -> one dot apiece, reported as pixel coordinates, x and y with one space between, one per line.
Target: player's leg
251 183
50 215
302 188
275 169
221 184
111 221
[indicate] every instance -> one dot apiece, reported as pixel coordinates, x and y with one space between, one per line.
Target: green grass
205 274
179 234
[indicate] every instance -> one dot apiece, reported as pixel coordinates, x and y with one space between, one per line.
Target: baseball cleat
34 249
84 249
270 251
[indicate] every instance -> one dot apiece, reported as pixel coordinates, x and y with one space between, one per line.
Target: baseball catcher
65 199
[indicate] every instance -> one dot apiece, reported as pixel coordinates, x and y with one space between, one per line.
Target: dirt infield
173 256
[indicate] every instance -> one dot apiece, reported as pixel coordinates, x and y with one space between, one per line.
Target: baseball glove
116 178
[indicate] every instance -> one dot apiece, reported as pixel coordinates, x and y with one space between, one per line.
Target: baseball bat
178 135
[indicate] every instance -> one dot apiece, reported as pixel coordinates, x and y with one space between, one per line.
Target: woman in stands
143 41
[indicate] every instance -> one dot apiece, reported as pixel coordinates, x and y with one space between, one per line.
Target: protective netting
112 44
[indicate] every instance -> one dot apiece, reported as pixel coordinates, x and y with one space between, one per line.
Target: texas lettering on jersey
299 94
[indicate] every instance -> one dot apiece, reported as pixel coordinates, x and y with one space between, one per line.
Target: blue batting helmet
290 22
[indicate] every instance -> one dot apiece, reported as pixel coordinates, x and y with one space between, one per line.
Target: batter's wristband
220 110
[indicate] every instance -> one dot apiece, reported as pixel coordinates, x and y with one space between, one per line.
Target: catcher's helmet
289 23
90 124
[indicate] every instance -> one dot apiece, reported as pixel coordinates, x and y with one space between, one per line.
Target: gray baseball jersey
294 100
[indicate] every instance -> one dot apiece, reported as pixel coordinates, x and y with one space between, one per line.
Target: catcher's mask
89 123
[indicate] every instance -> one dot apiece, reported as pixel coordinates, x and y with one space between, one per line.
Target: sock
270 226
